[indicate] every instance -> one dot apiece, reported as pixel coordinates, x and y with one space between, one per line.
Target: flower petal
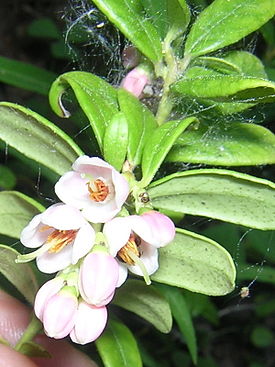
123 272
83 242
117 232
47 290
53 262
33 235
163 229
62 217
149 258
90 321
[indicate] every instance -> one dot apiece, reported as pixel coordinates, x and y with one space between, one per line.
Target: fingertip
11 358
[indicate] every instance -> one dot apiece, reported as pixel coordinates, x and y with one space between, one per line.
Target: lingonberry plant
114 215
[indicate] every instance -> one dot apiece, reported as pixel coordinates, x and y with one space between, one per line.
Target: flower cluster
91 246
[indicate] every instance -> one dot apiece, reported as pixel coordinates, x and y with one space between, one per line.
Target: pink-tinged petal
53 262
85 161
71 188
63 217
47 290
89 323
98 278
135 81
149 258
59 315
123 272
34 235
83 242
117 232
99 213
121 188
140 226
163 229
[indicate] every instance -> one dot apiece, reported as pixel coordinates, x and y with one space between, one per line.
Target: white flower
95 187
63 236
135 240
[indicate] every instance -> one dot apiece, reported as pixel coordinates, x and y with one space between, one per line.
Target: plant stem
32 330
173 68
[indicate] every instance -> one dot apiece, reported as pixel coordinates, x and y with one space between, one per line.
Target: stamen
132 245
59 239
98 191
142 267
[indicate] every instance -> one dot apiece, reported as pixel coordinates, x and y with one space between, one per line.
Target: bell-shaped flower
95 187
89 322
98 277
135 81
56 306
134 241
62 235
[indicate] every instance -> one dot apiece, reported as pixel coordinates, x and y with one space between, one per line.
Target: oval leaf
97 99
37 138
210 31
20 275
141 124
16 210
227 88
226 195
234 144
118 347
156 149
129 18
168 16
145 301
116 141
196 263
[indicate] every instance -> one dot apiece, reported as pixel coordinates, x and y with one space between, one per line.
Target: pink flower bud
90 321
58 310
98 278
135 81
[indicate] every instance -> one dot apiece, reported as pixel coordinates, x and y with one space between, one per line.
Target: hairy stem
32 330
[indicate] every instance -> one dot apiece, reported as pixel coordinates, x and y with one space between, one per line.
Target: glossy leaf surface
196 263
20 275
16 211
97 99
117 346
141 124
145 301
37 138
129 18
230 144
159 145
221 194
210 31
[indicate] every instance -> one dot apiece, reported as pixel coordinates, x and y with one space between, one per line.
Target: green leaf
117 346
16 211
168 16
7 178
32 349
225 22
221 194
225 144
196 263
44 28
97 99
129 18
116 141
227 88
145 301
182 315
37 138
25 76
20 275
262 337
141 124
234 62
156 149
